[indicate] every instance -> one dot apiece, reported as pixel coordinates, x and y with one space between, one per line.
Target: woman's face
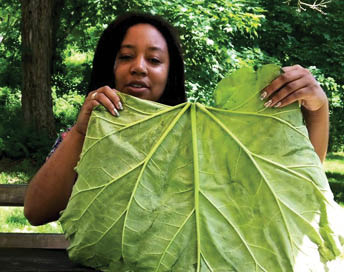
142 63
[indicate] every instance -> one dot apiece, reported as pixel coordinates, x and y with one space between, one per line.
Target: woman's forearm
317 123
50 189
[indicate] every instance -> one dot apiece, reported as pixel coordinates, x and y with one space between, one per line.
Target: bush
72 73
19 141
66 109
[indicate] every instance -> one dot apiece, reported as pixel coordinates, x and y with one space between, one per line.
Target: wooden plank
12 195
33 240
19 259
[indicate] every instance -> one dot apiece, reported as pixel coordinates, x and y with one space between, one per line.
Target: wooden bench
31 251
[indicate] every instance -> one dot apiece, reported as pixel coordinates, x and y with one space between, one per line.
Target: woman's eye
155 60
125 57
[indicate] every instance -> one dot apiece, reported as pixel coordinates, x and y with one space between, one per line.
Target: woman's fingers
295 84
103 96
109 104
111 94
293 90
108 98
291 98
290 74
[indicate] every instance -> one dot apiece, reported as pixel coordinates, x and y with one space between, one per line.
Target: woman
140 54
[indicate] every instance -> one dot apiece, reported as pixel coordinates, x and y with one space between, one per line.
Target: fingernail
263 95
115 112
278 104
120 105
267 104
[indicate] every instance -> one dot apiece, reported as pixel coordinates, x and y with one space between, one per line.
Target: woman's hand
105 96
295 84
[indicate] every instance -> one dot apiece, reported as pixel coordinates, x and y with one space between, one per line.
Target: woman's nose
139 66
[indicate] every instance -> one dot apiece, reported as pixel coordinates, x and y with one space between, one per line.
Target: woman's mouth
136 87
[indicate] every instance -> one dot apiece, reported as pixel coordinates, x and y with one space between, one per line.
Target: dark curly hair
110 42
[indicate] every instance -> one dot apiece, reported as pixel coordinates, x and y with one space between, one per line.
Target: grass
19 172
334 163
12 219
334 166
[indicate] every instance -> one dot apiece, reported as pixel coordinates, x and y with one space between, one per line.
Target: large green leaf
195 188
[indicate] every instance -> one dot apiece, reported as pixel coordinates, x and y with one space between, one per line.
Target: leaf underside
195 188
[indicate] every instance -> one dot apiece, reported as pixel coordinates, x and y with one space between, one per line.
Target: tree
38 25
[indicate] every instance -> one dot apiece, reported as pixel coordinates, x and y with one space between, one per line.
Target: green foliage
199 182
311 39
82 22
66 109
18 140
10 55
207 29
73 72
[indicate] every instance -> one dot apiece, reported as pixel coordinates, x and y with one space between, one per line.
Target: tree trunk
37 51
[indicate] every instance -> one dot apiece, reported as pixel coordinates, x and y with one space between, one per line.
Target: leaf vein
235 229
173 238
